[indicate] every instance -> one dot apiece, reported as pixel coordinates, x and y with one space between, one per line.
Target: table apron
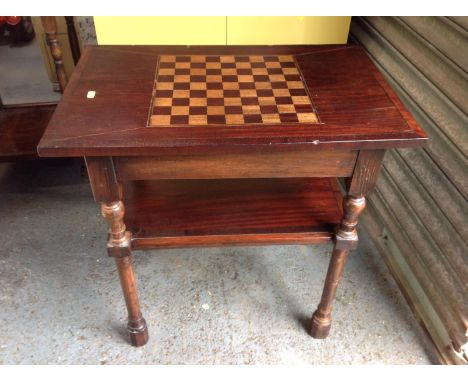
293 164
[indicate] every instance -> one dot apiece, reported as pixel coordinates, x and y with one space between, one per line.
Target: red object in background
12 20
15 29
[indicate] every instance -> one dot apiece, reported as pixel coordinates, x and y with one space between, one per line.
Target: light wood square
165 85
232 101
156 120
197 58
163 102
234 119
286 58
245 78
228 72
295 85
181 94
262 85
182 65
215 110
167 58
281 93
166 71
273 64
213 65
276 78
230 85
271 118
198 86
266 101
248 93
182 78
197 102
256 58
214 93
307 117
198 119
301 100
197 72
180 110
214 78
282 109
251 109
260 71
227 59
290 71
243 65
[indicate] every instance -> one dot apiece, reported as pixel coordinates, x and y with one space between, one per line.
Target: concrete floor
61 303
23 75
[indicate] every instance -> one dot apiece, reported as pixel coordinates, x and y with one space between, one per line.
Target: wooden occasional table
210 146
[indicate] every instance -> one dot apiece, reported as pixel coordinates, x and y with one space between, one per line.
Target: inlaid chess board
229 90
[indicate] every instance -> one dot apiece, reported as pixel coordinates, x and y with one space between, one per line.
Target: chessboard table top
237 90
144 100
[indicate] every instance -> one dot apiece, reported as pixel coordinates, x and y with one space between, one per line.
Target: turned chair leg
321 319
118 246
345 240
136 327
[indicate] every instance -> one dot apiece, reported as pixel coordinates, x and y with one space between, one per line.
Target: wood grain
21 128
259 164
229 90
356 110
241 211
50 28
365 173
103 181
137 330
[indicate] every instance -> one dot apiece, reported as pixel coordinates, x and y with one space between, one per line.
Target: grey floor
23 75
60 300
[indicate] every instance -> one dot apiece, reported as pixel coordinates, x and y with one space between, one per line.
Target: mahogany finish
22 125
136 327
356 111
50 28
264 163
176 213
321 319
21 128
103 179
172 185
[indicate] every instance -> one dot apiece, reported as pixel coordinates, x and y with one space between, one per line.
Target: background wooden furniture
264 183
21 126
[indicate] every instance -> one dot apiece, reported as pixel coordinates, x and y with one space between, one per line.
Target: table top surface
151 100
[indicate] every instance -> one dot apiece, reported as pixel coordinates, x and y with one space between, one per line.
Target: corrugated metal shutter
418 214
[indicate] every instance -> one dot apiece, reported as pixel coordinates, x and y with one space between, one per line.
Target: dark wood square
229 90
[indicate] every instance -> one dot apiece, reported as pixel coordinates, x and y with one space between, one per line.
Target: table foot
320 326
118 246
345 240
137 332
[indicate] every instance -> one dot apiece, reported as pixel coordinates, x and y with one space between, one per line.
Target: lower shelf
186 213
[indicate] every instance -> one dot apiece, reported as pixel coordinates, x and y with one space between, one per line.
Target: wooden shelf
177 213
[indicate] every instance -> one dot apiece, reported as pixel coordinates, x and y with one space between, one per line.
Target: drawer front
294 164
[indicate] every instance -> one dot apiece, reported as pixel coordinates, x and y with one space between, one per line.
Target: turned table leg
346 239
118 246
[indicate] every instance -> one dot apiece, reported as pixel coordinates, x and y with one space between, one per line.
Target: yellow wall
287 30
160 30
221 30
